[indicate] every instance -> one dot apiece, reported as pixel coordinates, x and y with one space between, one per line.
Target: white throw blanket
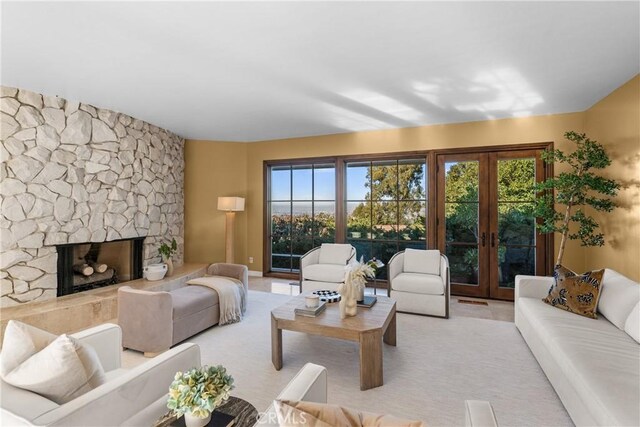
231 296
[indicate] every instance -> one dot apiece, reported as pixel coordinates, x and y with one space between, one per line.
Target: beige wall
213 169
474 134
615 122
203 160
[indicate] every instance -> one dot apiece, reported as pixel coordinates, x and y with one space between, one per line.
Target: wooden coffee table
369 328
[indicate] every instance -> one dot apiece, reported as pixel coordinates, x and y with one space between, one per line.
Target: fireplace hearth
91 265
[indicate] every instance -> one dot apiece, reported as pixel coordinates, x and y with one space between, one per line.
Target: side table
246 415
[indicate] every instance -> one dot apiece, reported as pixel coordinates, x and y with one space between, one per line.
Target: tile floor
496 310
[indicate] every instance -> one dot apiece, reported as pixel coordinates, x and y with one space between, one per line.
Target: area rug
436 366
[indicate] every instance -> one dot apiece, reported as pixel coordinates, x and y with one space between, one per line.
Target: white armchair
419 282
310 385
132 397
324 267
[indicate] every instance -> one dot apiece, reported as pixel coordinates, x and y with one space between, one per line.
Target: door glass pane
516 224
280 183
461 222
463 264
516 178
461 181
514 260
302 182
516 250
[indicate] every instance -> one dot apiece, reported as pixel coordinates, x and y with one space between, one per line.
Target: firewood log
84 269
98 267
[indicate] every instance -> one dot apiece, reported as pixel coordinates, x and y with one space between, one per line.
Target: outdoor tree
387 184
562 199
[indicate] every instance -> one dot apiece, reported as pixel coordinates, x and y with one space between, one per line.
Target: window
386 207
302 211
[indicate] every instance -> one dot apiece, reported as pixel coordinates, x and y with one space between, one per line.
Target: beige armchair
419 282
324 267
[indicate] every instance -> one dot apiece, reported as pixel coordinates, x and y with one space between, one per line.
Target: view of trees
516 224
386 212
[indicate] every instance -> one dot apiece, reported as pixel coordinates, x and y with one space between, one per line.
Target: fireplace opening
84 266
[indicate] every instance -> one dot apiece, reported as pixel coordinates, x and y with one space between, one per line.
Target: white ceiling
257 71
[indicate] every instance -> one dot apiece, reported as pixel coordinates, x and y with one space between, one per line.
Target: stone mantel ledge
72 313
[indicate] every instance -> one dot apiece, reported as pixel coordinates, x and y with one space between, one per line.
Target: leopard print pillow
577 293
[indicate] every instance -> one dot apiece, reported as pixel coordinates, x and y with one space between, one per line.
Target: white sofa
593 364
324 267
310 384
419 282
131 397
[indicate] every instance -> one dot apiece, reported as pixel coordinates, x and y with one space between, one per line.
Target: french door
485 223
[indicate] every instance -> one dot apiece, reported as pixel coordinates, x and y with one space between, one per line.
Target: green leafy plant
561 200
199 390
166 250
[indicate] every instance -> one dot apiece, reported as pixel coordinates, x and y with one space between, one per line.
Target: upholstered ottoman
152 322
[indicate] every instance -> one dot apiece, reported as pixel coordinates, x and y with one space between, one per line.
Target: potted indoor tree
198 392
562 199
166 251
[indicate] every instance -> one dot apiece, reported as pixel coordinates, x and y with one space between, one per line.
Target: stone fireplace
72 173
85 266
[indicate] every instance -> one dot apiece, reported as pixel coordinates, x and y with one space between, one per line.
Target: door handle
483 238
493 240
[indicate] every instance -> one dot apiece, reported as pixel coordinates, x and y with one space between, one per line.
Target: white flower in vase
352 289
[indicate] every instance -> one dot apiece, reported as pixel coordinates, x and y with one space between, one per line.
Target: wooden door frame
481 290
544 251
495 291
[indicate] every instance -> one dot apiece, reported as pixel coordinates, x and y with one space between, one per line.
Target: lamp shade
230 203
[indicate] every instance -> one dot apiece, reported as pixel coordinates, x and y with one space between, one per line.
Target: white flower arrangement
358 272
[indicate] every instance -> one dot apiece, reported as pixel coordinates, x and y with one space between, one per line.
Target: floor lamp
230 205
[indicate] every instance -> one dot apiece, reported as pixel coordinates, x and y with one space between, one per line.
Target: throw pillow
576 293
618 296
61 371
311 414
632 325
20 342
422 261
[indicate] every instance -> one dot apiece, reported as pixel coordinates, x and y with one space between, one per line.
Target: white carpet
437 365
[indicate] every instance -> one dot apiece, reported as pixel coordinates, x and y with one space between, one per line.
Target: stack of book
311 312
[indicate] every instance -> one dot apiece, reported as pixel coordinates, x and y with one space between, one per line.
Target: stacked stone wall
74 173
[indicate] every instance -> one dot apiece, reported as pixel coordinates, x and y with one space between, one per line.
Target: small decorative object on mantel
153 272
197 392
353 287
166 251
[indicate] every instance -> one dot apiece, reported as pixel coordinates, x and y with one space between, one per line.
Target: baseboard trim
254 273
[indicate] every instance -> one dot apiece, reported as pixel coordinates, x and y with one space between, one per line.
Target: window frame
432 220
